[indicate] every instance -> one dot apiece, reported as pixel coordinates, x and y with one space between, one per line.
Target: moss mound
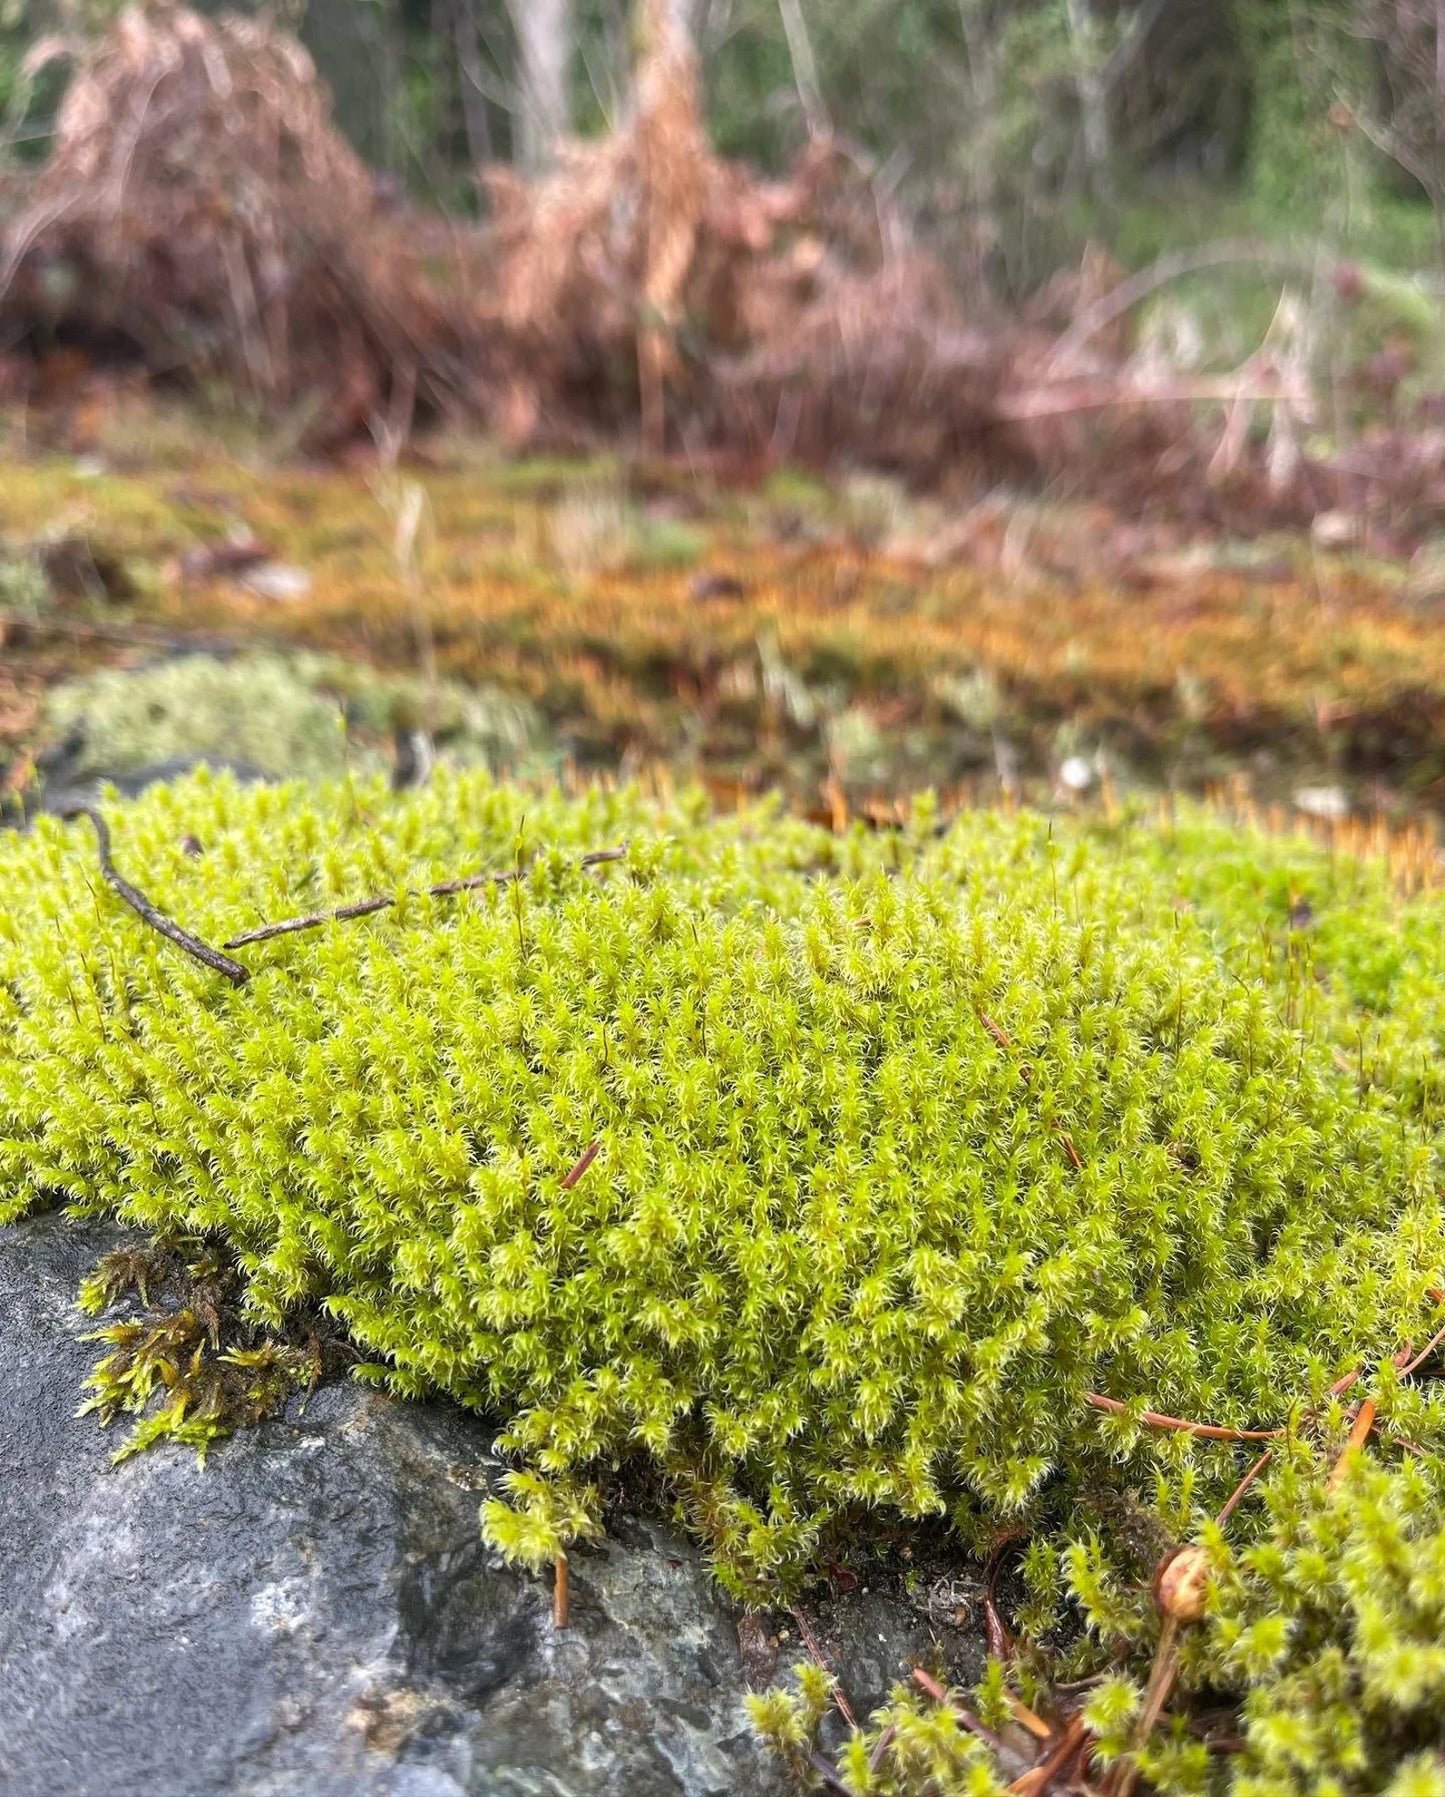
904 1146
293 717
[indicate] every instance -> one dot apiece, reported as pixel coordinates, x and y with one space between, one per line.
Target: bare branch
313 920
147 912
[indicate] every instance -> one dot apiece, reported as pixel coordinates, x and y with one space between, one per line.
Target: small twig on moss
313 920
1038 1780
365 908
1414 1365
147 912
1027 1718
810 1641
931 1688
1237 1496
993 1029
828 1772
1208 1431
1000 1636
881 1746
1359 1434
589 1155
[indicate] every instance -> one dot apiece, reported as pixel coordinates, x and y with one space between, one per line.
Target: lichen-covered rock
281 715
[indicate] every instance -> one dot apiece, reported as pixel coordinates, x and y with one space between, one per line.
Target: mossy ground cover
784 635
834 1182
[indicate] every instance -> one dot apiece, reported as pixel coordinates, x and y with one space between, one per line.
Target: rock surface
315 1613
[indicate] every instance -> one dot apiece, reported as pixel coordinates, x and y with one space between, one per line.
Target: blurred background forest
843 396
1018 130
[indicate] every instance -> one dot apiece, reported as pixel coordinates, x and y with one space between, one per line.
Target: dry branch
147 912
209 216
1207 1431
313 920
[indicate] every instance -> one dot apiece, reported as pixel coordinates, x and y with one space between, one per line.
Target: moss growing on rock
300 716
904 1147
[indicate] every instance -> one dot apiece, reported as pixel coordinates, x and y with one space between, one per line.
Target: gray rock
314 1613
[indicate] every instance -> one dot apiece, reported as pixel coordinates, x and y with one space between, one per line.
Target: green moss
904 1146
307 716
1328 1632
1319 1663
188 1368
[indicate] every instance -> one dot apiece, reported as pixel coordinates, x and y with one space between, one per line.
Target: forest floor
846 644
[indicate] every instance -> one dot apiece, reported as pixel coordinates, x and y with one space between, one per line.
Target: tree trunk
805 68
682 18
469 74
1093 97
981 162
545 43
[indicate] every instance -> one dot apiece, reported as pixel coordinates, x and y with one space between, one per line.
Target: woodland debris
148 913
201 216
314 920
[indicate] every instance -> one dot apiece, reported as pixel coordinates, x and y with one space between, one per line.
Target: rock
314 1614
64 788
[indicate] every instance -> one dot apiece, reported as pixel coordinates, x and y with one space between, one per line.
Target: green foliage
1323 1638
904 1144
300 716
834 1253
1329 1632
188 1369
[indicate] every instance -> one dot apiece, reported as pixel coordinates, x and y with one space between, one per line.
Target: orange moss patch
653 654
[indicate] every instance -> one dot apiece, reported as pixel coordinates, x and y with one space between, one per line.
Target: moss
904 1145
554 582
306 716
829 1175
1317 1666
188 1368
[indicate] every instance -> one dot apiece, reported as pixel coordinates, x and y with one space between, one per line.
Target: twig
1000 1636
1424 1354
931 1688
993 1029
810 1641
1101 396
1244 1484
1035 1782
1209 1431
367 907
147 912
1128 293
881 1746
1027 1718
1359 1434
828 1772
87 630
589 1155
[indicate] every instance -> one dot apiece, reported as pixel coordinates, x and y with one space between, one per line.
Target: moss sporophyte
838 1178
